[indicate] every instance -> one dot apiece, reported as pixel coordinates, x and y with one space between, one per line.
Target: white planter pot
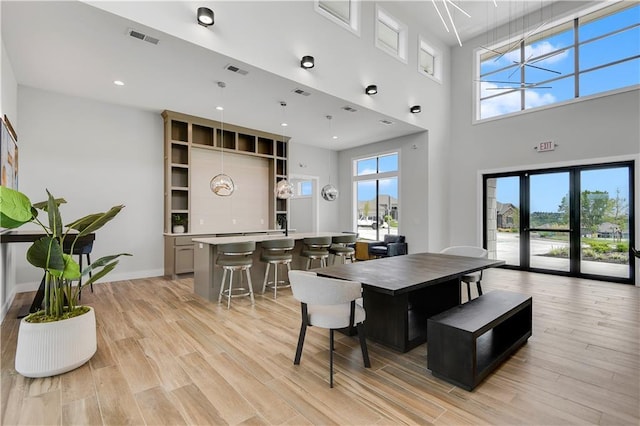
178 229
47 349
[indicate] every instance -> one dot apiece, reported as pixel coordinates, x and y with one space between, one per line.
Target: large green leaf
91 223
55 221
101 262
47 254
43 205
15 208
71 268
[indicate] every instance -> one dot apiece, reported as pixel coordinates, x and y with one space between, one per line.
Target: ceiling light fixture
307 62
415 109
118 82
446 8
205 16
371 89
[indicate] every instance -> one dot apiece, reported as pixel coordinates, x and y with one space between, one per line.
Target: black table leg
36 305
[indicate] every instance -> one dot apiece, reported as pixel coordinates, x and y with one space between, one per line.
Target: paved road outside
509 251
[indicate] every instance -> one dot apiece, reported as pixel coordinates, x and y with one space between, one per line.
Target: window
345 13
595 53
376 186
429 61
391 35
305 189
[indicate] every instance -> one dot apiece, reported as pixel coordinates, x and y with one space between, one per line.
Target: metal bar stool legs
276 283
240 291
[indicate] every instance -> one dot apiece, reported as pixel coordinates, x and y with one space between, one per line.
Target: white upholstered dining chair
469 251
328 303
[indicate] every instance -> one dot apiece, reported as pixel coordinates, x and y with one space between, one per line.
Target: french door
575 221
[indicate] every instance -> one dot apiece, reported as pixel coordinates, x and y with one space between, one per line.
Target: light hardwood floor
166 356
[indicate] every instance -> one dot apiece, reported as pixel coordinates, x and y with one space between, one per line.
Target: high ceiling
75 49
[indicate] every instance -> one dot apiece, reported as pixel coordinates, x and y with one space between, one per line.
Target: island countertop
263 237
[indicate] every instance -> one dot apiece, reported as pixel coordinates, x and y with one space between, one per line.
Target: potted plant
179 223
61 336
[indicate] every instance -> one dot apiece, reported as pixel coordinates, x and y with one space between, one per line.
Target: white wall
247 209
323 163
95 155
588 131
414 182
8 107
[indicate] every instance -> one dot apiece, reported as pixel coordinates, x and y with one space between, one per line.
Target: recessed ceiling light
334 137
284 124
219 108
118 83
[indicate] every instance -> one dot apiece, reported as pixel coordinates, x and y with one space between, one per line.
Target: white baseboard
33 286
7 304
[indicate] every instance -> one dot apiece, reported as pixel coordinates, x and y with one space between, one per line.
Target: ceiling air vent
348 108
301 92
140 36
386 122
235 69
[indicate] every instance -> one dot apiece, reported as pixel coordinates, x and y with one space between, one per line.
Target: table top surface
402 274
29 236
263 237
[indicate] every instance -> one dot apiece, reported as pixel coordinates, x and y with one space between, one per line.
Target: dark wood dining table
401 292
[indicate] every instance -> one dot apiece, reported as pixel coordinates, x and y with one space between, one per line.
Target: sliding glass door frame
574 228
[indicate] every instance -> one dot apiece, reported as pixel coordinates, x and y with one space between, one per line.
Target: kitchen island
207 277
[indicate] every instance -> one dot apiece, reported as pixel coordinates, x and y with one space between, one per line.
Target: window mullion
576 58
522 75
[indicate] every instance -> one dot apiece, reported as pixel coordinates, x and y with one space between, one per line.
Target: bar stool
235 257
342 247
276 252
316 248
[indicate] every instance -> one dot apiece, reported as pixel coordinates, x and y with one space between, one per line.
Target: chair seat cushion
378 250
276 257
235 261
471 278
314 252
334 316
341 249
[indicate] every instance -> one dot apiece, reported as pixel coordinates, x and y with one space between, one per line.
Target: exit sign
546 146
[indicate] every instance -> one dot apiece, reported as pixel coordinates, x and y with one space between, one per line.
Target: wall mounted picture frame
8 156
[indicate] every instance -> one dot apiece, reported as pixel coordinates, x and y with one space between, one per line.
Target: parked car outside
372 221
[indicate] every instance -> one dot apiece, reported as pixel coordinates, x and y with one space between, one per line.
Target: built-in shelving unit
184 132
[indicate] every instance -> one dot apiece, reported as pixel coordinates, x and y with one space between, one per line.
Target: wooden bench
467 342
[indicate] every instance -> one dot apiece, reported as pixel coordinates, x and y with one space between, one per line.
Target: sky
559 64
548 189
385 163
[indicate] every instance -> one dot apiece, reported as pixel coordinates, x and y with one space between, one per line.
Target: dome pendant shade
222 185
329 192
283 190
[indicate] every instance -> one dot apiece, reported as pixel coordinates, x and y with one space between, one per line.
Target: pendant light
329 192
222 184
283 189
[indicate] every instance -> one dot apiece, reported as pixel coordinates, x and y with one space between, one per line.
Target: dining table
29 236
401 292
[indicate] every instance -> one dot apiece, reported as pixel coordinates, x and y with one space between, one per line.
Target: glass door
548 231
502 212
604 216
575 221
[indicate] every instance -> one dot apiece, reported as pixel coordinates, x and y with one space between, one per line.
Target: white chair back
308 287
469 251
